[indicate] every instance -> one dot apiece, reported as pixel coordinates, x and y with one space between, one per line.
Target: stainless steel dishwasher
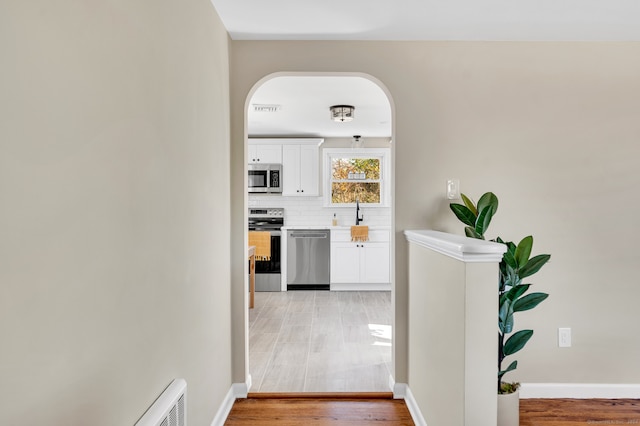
308 260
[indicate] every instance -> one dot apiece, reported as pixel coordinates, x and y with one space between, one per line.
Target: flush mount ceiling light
342 113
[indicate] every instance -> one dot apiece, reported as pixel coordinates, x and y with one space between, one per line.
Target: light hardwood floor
320 341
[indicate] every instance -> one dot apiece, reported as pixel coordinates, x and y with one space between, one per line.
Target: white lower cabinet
359 264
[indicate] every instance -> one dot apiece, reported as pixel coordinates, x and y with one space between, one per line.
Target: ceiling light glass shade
342 113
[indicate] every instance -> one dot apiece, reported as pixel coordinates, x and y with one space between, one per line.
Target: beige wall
114 169
551 128
451 304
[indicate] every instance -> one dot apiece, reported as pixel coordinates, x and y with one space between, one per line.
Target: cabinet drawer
375 235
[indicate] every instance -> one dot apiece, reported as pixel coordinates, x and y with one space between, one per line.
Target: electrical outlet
453 189
564 337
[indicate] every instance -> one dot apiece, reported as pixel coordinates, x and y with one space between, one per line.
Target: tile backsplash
309 211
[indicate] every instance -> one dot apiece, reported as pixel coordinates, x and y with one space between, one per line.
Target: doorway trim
383 87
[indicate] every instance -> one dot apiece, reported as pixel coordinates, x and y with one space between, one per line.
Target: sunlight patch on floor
382 334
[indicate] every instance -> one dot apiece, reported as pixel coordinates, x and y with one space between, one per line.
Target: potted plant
516 264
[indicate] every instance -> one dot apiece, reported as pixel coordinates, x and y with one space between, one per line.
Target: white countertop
337 228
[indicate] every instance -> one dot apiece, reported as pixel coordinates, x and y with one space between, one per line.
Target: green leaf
511 367
505 317
463 213
467 202
529 301
523 251
471 233
534 264
515 293
509 259
488 199
484 219
517 342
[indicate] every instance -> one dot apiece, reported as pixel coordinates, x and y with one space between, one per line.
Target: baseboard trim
399 389
412 405
237 390
579 390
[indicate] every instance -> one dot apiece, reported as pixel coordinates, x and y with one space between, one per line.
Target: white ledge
457 246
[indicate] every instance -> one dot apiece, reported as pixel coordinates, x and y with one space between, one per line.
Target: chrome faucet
359 218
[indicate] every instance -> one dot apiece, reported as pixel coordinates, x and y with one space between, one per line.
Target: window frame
383 154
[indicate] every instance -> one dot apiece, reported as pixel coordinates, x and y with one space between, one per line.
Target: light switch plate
453 189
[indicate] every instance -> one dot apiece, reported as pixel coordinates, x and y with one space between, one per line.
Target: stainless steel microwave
265 178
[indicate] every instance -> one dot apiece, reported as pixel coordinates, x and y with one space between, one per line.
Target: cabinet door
309 170
252 154
345 263
270 153
374 263
264 154
290 170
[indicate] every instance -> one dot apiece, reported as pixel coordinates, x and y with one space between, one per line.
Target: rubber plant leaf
484 219
505 317
488 199
529 301
467 202
523 251
510 259
515 293
463 213
534 264
471 233
517 342
511 367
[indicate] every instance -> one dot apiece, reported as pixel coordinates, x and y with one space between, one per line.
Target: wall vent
266 108
170 409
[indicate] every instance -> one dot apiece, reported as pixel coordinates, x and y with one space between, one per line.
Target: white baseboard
416 414
579 390
238 390
361 287
399 389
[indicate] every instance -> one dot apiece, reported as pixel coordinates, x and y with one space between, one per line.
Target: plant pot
509 409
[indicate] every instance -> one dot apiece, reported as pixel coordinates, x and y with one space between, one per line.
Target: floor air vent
170 409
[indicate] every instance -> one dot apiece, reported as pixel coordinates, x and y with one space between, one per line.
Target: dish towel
262 241
360 233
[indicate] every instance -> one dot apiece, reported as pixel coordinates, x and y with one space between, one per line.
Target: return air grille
170 407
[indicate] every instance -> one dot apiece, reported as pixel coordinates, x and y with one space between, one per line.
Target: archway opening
334 335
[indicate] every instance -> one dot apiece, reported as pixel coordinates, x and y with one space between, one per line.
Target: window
356 175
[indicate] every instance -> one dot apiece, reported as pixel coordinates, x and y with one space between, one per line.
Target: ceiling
305 107
302 107
517 20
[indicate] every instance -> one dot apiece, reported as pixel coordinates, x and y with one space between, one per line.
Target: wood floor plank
380 409
323 411
571 412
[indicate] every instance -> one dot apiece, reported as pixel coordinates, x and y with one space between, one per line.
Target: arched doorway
318 340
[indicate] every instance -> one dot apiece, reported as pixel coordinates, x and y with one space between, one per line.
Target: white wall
114 170
552 129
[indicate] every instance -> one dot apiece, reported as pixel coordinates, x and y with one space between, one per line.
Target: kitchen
322 315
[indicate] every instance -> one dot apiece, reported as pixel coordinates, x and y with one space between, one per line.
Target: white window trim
385 176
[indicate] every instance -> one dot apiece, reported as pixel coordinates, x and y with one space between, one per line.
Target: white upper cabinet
300 171
259 153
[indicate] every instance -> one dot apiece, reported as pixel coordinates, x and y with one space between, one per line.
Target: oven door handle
271 231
